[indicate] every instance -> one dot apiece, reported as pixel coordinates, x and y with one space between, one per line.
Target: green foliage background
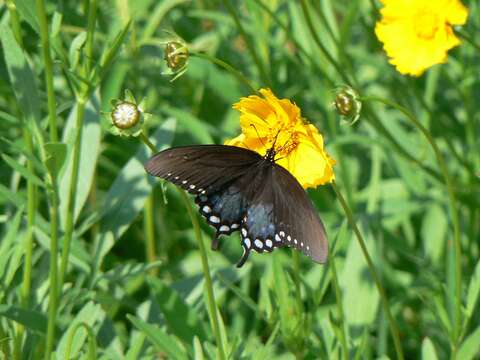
134 286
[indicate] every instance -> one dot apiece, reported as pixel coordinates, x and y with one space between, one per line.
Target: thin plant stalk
31 201
212 307
452 205
251 49
227 67
296 280
70 216
149 226
373 272
82 99
339 300
52 188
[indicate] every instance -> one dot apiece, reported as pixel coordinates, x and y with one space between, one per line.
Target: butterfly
237 189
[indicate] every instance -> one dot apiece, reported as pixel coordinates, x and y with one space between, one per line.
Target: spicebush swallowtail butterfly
238 189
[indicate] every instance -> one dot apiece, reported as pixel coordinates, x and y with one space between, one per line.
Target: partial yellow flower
417 34
270 121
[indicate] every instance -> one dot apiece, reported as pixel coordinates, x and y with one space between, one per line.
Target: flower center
426 25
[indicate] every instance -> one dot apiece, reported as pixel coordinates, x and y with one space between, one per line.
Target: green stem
71 201
52 191
227 67
338 297
465 36
320 45
27 269
27 265
373 272
206 269
45 42
77 148
208 280
452 205
251 49
296 280
149 226
53 298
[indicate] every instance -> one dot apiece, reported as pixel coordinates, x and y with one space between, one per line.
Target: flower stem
452 205
256 59
338 296
70 216
206 269
227 67
47 58
373 272
465 36
52 188
208 280
77 147
149 226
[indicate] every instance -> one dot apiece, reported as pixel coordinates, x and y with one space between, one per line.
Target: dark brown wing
281 214
215 174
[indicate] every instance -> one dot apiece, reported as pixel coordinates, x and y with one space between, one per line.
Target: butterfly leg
215 242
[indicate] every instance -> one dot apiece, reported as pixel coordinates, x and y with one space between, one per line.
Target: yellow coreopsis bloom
270 121
417 34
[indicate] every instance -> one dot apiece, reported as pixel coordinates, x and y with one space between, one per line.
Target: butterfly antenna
275 139
258 135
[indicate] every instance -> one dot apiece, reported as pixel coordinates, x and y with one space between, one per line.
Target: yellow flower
417 34
270 121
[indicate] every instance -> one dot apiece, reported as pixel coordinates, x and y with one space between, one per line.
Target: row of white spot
278 238
184 182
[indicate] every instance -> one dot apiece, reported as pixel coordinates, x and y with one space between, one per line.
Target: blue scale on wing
223 210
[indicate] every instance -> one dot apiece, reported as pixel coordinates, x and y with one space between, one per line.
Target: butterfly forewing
201 167
215 174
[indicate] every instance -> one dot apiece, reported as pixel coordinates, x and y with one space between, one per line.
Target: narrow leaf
160 339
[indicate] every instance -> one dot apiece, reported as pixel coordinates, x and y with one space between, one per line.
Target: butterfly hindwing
280 214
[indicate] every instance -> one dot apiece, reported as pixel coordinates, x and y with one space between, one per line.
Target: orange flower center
426 25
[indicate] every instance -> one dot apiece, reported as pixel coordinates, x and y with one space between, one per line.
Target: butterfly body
239 190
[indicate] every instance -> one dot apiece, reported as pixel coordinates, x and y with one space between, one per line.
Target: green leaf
162 341
21 75
75 49
55 157
187 123
22 170
126 197
182 320
27 9
7 244
470 347
90 314
360 297
15 198
434 232
32 320
135 349
473 291
428 350
90 150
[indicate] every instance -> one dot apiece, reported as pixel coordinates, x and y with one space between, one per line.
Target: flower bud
125 115
347 104
176 56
